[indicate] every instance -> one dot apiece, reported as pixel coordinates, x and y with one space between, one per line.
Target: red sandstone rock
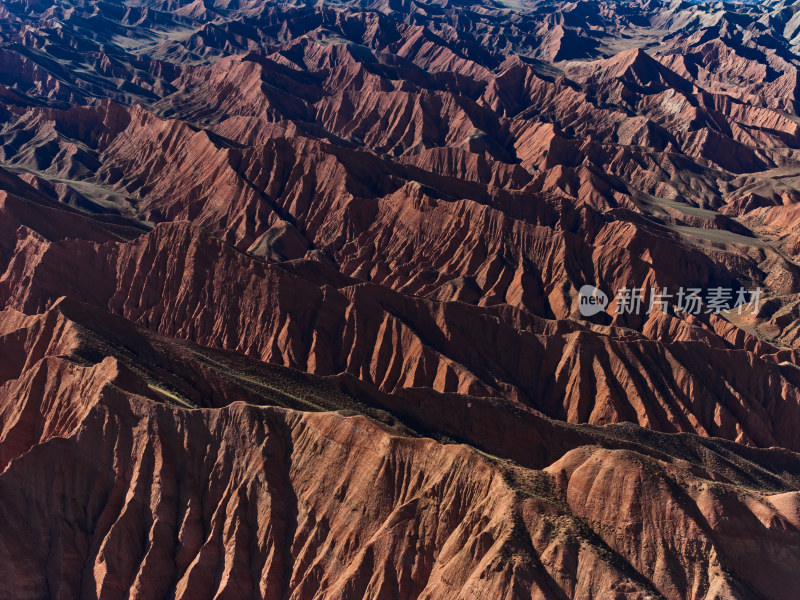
267 501
219 225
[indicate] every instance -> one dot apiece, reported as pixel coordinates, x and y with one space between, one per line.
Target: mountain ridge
291 299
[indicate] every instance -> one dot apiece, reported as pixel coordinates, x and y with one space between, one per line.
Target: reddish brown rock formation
225 230
159 499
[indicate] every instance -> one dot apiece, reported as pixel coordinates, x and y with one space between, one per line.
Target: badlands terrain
289 300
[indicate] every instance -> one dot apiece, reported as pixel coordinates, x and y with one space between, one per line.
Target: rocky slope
221 223
152 498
